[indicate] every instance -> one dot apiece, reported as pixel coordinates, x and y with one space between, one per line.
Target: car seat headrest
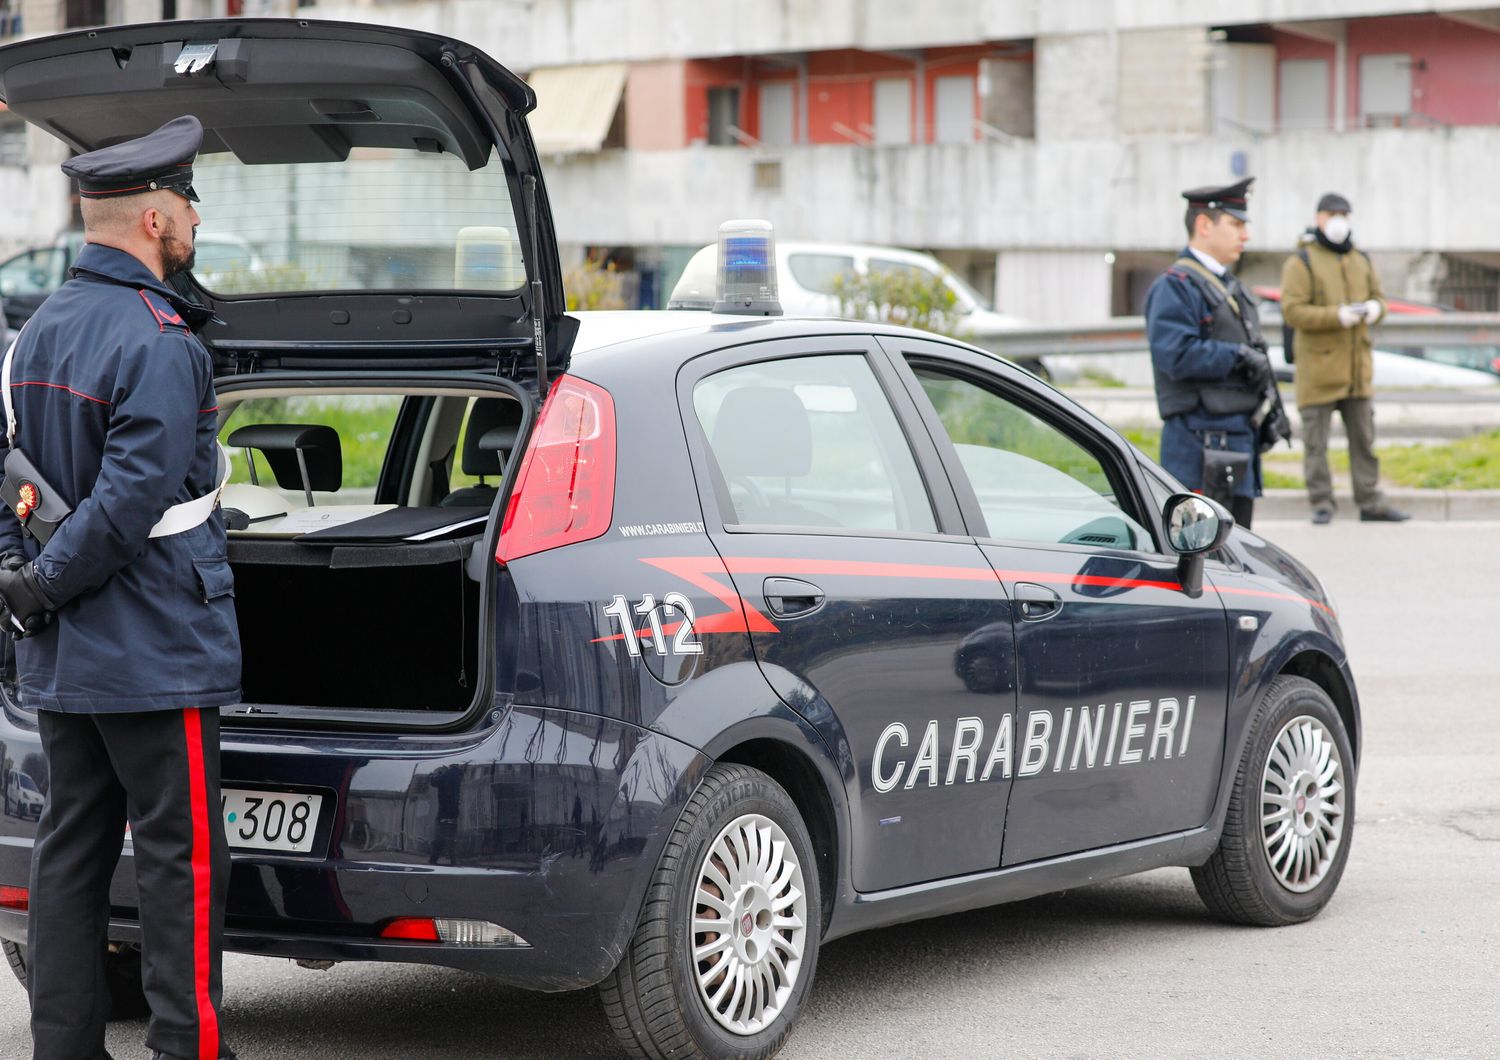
490 436
763 431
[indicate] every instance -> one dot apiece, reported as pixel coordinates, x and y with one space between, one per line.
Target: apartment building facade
1038 146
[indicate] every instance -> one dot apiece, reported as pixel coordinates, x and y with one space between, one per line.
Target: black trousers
1242 508
159 770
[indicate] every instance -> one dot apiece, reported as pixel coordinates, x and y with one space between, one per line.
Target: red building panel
1455 72
840 85
1455 66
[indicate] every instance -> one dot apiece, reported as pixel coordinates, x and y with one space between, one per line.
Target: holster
38 506
1223 468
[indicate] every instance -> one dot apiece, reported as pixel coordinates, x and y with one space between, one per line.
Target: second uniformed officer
1213 378
128 641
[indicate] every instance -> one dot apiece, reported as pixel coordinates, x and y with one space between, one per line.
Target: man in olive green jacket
1330 295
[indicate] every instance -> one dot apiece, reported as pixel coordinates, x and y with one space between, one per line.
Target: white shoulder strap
182 517
10 411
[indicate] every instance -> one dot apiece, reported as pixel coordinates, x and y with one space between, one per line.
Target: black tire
652 999
122 971
1241 882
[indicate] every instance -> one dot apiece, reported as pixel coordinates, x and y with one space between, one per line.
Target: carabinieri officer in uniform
127 642
1207 352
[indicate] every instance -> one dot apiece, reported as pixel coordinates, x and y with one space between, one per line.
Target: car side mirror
1195 527
304 455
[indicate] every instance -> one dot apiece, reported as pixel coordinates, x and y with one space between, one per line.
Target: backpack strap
1312 277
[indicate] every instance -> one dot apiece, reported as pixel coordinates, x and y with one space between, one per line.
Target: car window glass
35 272
363 423
902 268
1033 482
313 226
811 441
818 272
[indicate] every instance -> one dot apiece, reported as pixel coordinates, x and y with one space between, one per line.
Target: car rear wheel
1291 813
122 972
725 950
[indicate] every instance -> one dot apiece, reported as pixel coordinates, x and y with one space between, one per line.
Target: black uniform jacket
114 404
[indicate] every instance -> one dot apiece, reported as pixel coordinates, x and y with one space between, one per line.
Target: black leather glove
1276 427
6 625
1253 365
27 610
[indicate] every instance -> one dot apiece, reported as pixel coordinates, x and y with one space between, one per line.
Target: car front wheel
724 953
1291 813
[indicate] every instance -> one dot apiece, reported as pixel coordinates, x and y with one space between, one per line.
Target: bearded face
177 253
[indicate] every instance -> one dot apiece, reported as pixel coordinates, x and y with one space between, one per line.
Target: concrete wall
1077 76
1162 83
1093 194
531 33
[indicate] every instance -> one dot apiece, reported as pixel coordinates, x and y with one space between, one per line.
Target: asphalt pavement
1401 964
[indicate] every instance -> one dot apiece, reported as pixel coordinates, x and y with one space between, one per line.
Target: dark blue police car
654 650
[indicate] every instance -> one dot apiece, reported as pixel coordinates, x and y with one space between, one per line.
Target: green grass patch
1147 439
363 423
1471 463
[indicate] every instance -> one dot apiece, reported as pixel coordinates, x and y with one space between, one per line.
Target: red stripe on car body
700 570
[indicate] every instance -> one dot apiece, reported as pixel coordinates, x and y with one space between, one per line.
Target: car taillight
414 928
452 932
565 489
15 898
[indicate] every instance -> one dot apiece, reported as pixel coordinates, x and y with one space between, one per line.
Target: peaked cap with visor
159 161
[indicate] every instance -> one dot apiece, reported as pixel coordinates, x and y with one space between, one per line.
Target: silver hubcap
1302 804
749 924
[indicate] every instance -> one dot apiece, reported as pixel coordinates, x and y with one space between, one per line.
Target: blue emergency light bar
747 269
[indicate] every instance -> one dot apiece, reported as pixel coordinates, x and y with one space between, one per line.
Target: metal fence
1128 335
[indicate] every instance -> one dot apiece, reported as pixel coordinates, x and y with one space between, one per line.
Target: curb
1427 505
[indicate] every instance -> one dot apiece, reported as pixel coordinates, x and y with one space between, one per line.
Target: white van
806 273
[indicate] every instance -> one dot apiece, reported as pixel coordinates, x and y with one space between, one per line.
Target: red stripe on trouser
208 1019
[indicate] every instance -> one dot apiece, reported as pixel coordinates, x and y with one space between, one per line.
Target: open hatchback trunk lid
374 194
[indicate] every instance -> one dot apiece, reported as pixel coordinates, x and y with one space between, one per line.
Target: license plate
271 820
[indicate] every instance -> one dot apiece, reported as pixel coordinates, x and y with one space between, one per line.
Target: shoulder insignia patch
162 312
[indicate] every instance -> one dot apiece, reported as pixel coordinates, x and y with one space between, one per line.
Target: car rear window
382 219
362 422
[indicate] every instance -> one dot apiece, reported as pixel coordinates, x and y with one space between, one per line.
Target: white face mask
1336 228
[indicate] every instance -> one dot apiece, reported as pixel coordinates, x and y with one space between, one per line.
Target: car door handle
788 597
1037 602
